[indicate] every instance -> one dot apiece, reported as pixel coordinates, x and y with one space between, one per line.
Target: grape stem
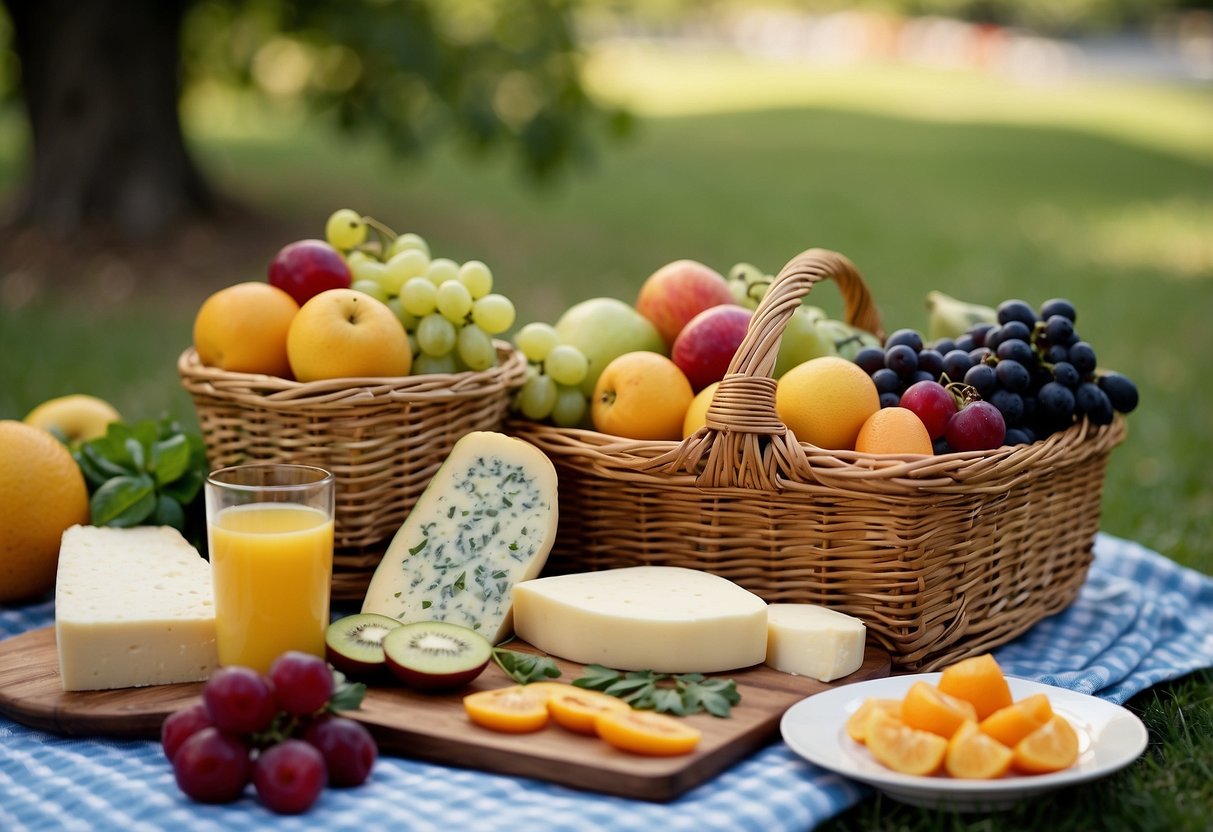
386 234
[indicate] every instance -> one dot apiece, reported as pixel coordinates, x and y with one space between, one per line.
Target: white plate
1109 738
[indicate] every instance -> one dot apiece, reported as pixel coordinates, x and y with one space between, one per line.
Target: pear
951 318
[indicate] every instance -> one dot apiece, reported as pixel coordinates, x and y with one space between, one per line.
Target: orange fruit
978 680
42 494
976 756
243 329
857 725
1011 724
902 748
512 710
1051 747
893 430
927 708
697 414
648 733
641 395
577 708
825 401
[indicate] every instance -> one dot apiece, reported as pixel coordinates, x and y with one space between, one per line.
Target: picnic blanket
1140 619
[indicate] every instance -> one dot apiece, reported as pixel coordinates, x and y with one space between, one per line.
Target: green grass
928 181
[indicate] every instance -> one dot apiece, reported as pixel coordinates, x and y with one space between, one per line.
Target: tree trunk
101 81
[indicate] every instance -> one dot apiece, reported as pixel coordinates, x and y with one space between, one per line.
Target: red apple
707 343
306 268
679 291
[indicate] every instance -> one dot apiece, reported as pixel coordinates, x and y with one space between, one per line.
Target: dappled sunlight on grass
1173 236
662 82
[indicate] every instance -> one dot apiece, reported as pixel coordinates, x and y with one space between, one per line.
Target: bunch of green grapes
554 374
448 309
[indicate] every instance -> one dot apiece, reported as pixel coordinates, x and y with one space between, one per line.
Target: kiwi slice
354 644
436 655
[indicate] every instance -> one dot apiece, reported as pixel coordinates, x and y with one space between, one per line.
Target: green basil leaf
185 488
134 450
169 458
346 696
168 513
113 445
123 501
525 668
597 677
146 433
93 475
96 451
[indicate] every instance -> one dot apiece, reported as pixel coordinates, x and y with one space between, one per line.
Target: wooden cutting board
435 727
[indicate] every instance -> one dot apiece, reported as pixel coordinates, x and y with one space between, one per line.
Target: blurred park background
151 153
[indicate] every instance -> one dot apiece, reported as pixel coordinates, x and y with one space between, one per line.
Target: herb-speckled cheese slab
486 521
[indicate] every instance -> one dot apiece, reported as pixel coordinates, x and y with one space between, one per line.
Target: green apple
604 329
803 339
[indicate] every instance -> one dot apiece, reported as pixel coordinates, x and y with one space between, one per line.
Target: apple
679 291
74 418
603 329
343 333
305 268
707 343
803 340
641 395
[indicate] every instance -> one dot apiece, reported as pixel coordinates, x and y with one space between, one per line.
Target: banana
950 318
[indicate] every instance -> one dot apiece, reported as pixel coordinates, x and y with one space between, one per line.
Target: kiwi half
354 644
436 655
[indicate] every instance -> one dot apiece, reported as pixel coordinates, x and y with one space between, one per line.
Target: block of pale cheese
133 607
486 520
813 641
661 618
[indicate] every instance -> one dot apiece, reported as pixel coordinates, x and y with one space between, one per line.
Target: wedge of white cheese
661 618
813 641
133 607
486 521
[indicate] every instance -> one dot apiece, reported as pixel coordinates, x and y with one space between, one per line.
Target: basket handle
743 442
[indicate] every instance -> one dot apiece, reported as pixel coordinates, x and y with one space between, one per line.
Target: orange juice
272 565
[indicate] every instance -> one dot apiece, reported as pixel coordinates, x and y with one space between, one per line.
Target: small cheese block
813 641
661 618
133 607
486 520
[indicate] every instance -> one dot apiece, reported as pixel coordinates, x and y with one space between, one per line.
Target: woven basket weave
943 556
382 438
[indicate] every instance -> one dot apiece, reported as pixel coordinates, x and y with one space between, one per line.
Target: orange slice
902 748
512 710
978 680
927 708
857 725
643 732
1011 724
577 709
1051 747
976 756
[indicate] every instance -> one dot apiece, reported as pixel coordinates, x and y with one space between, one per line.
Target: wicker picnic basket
382 438
942 556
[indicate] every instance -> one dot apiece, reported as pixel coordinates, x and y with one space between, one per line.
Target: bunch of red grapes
278 731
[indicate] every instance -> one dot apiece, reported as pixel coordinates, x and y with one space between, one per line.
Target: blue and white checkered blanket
1139 620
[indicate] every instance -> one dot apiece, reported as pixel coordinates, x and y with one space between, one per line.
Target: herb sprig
679 694
525 668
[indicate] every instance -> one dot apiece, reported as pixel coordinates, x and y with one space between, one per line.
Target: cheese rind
661 618
813 641
133 607
486 521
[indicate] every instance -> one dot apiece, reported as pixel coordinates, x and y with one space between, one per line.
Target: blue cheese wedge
133 607
485 522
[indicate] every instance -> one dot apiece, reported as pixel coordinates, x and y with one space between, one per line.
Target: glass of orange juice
270 532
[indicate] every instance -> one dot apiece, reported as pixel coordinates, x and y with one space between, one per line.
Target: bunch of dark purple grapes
1032 366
